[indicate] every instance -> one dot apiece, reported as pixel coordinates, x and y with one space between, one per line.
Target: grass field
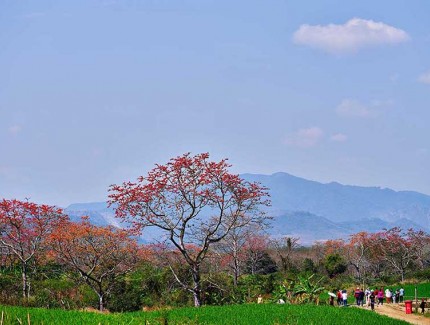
423 290
251 314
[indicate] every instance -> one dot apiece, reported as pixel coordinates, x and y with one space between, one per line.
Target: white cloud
425 78
352 36
15 129
353 108
339 137
305 138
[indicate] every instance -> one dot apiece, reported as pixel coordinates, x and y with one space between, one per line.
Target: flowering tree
399 249
358 250
98 254
196 202
24 227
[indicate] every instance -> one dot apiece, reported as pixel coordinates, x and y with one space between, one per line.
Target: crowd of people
370 297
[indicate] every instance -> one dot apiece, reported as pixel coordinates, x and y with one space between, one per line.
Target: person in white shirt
345 298
367 295
388 295
401 294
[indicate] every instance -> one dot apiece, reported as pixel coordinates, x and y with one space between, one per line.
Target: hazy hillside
344 203
313 211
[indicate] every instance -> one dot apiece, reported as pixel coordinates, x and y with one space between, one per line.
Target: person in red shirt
357 296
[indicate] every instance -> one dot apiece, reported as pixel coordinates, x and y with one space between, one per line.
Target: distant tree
196 202
24 227
232 251
284 249
397 249
98 254
258 260
357 250
308 265
334 264
420 240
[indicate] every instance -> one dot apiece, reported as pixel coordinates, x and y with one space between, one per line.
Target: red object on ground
408 305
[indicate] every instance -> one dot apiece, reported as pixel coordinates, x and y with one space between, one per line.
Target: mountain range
312 210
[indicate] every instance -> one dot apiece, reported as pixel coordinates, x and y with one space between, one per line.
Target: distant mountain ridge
312 210
344 203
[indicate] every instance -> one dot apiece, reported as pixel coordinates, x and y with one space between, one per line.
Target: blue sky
96 92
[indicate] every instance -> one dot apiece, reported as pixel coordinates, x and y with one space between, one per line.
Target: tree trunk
101 302
196 287
235 277
235 271
25 291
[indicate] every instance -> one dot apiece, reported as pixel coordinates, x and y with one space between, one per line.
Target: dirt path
398 311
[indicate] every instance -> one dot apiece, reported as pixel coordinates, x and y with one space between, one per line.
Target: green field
250 314
423 289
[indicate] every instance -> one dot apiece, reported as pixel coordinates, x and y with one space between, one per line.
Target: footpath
398 311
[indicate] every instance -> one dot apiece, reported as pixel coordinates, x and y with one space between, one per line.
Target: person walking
388 295
357 296
422 305
401 294
345 298
380 297
361 298
367 294
372 300
339 297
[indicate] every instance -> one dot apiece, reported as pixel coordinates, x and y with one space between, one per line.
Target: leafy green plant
308 291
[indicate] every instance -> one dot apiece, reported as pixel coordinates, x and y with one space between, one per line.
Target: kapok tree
358 251
196 202
395 247
98 254
24 227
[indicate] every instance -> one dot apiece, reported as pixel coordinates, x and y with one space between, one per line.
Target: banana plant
308 291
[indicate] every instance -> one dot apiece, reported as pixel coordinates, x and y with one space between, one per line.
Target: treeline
213 248
49 261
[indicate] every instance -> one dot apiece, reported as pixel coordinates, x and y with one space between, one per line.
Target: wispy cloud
350 37
305 138
425 78
339 137
353 108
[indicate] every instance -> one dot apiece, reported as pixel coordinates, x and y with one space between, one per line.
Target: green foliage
300 290
308 265
423 275
265 265
307 290
334 264
126 296
57 293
